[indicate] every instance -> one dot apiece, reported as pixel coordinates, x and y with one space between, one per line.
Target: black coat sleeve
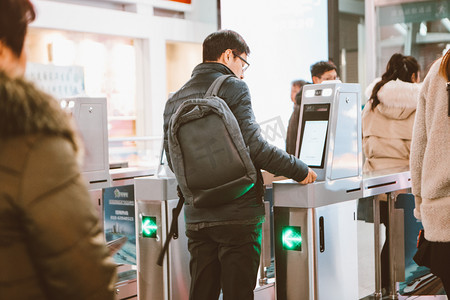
264 155
168 112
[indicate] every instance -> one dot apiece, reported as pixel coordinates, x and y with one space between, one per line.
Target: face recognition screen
314 134
314 137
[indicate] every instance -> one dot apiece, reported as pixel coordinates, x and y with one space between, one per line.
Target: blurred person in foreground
430 169
51 241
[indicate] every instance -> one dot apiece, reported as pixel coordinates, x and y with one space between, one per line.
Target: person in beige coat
430 168
51 241
388 116
387 125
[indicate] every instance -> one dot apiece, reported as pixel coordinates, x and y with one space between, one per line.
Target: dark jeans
224 257
446 282
439 262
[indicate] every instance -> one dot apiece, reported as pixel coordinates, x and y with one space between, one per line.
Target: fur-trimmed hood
25 110
398 99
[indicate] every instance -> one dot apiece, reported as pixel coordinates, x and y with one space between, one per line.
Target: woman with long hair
387 126
388 116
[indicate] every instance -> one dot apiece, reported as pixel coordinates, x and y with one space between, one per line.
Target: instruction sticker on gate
119 223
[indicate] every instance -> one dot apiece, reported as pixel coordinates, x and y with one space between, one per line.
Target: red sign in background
182 1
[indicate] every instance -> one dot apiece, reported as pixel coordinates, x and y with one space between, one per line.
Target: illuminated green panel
245 190
291 237
149 227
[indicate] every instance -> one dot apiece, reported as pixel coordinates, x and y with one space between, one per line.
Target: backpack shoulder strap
173 232
215 86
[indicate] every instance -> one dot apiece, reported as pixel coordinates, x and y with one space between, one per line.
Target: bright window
108 65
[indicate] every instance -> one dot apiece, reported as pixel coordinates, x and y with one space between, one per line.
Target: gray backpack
208 154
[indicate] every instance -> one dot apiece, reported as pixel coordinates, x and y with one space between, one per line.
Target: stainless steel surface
343 156
124 176
314 272
266 259
178 264
347 139
288 193
397 231
265 246
126 286
395 225
266 292
327 265
152 279
157 197
90 116
126 290
294 269
377 247
339 181
153 188
96 198
385 181
337 260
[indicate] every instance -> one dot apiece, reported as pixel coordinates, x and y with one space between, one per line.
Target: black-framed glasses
246 62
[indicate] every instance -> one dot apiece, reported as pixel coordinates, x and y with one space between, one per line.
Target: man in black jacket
225 242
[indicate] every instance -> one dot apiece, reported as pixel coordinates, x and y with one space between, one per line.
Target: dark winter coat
51 241
236 94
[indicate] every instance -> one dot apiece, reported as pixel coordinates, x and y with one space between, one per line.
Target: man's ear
226 57
315 79
9 62
2 47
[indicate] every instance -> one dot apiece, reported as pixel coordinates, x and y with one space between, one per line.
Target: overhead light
423 29
446 23
402 28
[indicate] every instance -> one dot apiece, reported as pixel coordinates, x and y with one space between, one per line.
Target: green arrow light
149 227
291 238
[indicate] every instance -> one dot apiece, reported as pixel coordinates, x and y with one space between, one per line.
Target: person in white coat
430 169
388 116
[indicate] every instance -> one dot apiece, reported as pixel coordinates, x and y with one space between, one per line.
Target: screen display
314 137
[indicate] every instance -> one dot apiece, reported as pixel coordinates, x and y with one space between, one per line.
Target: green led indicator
291 237
149 227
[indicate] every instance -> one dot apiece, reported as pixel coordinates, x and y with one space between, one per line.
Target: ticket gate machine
315 224
90 116
156 197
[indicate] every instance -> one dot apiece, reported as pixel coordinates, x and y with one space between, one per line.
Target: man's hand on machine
311 177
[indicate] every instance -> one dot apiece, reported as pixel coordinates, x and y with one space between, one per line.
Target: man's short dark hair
15 15
218 42
321 67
